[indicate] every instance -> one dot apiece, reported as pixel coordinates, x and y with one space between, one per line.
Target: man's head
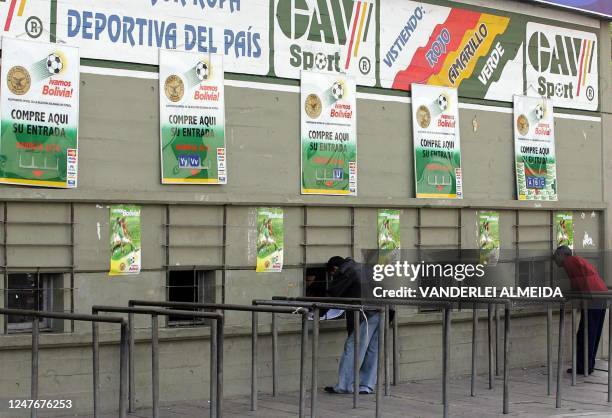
334 263
560 254
311 277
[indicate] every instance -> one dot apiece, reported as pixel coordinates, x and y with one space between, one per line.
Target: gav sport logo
325 35
562 63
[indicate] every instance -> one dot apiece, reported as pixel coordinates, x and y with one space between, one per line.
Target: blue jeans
368 357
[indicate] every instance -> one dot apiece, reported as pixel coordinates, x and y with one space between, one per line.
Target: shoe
364 392
331 389
578 371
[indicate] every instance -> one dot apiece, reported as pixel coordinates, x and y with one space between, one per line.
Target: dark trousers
596 322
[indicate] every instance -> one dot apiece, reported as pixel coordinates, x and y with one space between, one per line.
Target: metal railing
94 319
216 350
254 336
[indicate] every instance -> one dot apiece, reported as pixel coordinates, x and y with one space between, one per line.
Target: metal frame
216 345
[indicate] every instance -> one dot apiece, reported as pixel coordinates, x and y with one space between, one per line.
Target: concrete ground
422 399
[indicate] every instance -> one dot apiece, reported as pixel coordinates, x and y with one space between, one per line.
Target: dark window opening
190 286
35 292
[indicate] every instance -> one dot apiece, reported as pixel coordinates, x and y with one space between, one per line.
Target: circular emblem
18 80
313 106
122 266
174 88
522 124
590 93
423 116
365 65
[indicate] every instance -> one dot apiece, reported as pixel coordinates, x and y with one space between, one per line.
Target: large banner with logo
328 134
270 240
134 30
562 65
479 53
125 246
192 118
39 104
335 36
437 146
534 148
26 19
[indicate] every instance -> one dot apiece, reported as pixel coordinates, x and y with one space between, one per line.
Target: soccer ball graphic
559 89
539 111
321 61
202 71
54 64
443 102
338 90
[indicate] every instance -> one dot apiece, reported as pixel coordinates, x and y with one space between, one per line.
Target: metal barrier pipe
34 376
497 328
254 322
123 370
155 364
548 350
396 353
274 356
445 358
585 339
132 362
506 400
609 351
490 339
356 356
474 350
304 341
213 370
96 367
574 346
220 324
381 358
387 358
315 363
560 353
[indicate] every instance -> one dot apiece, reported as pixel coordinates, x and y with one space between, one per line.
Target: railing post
506 355
574 346
213 368
356 356
96 367
446 324
549 350
123 370
381 358
220 338
132 366
490 337
303 344
274 356
497 332
315 362
155 364
387 357
254 361
609 351
396 353
34 376
560 353
474 349
585 338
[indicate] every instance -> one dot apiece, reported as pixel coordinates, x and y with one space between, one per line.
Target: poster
192 118
564 229
481 54
437 151
134 30
39 102
328 134
336 36
388 229
270 240
488 237
562 65
534 148
125 246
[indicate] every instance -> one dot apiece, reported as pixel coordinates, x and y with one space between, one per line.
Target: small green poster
388 229
125 246
564 229
270 237
488 237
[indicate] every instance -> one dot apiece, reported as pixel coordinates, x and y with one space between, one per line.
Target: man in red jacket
584 278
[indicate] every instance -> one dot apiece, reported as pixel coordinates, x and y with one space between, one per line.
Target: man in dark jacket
346 283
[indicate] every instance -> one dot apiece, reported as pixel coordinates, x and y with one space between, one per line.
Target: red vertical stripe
350 48
9 16
584 45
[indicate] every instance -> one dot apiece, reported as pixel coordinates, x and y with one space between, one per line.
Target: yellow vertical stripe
21 7
360 33
586 61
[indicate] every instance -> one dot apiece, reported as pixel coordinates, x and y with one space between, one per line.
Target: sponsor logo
313 106
174 88
18 80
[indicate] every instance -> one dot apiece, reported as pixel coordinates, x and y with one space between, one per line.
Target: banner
437 151
564 229
134 31
480 54
26 18
534 149
270 240
192 118
326 36
388 229
488 237
39 104
328 134
125 247
562 65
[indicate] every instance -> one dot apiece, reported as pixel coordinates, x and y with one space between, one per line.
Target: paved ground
422 399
